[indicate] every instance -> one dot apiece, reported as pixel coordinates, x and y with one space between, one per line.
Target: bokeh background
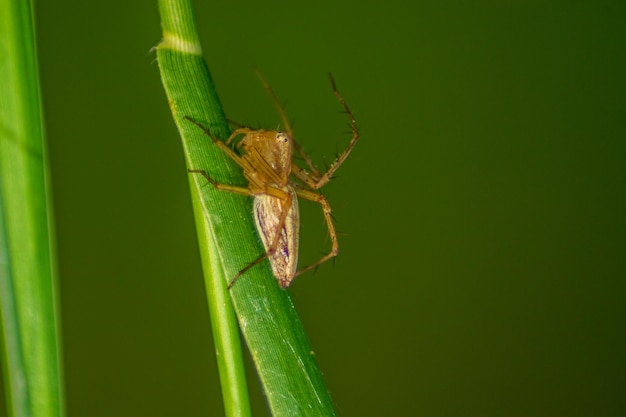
482 265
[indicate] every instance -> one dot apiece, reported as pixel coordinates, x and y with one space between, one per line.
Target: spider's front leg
313 179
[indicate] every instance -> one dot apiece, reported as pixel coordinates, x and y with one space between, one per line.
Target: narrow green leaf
28 292
267 318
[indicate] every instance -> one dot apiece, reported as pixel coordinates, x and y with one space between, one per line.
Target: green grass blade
274 334
186 81
28 292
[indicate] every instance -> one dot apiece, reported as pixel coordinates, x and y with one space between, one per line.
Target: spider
266 157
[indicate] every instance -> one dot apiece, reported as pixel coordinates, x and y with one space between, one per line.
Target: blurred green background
482 266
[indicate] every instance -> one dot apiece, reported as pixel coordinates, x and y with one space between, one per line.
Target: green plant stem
267 319
190 91
28 290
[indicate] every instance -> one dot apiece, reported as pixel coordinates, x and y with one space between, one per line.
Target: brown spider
267 163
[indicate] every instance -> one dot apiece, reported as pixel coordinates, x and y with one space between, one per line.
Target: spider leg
223 146
323 180
321 200
220 186
306 158
308 178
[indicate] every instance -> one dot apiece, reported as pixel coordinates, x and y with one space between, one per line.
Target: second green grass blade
29 318
273 332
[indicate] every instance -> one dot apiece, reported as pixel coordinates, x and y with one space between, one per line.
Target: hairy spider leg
321 200
314 180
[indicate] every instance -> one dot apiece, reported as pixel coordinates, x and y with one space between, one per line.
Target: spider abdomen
268 211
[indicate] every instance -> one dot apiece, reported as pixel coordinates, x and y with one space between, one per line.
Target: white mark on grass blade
175 43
